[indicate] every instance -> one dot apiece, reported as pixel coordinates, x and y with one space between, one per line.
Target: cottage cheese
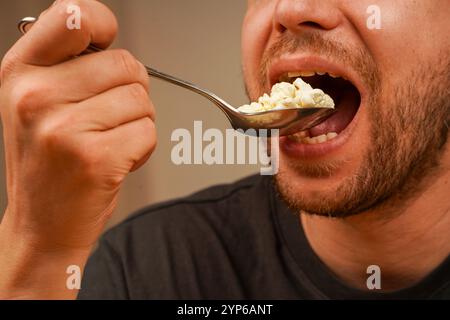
285 95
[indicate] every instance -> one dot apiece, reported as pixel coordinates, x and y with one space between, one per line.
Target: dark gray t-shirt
236 241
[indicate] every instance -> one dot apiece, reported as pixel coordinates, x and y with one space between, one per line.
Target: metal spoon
287 121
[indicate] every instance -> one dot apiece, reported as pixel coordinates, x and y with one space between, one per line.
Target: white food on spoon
285 95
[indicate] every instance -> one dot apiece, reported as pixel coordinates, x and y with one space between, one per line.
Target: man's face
391 111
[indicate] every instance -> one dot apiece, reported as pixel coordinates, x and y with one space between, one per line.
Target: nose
297 15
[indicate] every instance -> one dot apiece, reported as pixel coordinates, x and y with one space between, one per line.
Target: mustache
313 42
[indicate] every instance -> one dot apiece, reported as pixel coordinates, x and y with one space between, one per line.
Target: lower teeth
303 137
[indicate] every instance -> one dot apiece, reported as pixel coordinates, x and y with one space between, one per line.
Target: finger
141 162
111 109
86 76
133 141
51 40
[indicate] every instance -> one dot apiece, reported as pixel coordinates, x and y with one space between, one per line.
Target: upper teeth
309 74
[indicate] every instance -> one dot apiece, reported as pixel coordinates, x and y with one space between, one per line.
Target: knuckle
149 127
56 139
138 92
51 138
90 160
52 134
152 146
141 99
126 62
93 164
65 7
88 155
27 98
113 180
62 6
152 111
8 64
144 77
111 20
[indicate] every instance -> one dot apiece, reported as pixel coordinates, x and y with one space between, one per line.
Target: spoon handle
26 23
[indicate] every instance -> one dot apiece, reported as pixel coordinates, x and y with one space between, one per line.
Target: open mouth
347 101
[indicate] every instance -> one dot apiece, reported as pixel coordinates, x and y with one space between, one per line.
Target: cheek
256 31
412 32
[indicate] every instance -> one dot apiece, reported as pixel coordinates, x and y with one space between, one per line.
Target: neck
406 246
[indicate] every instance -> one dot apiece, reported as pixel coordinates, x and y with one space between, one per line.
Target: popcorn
285 95
302 85
283 90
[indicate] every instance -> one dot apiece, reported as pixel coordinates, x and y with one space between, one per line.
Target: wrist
46 236
29 270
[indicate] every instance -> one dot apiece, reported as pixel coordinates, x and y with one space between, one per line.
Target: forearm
29 272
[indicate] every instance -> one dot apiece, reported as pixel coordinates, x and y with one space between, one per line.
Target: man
362 212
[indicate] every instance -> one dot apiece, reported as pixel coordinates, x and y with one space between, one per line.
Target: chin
320 178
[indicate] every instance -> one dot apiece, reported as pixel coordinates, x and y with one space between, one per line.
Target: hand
73 128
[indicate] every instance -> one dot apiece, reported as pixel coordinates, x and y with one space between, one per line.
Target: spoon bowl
287 121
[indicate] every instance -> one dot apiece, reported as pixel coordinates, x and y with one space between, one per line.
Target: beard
408 134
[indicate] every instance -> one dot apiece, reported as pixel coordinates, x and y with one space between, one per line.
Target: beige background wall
197 40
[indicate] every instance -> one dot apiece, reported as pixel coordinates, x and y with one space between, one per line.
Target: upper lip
303 62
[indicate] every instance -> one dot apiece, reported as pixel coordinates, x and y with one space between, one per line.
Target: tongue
347 106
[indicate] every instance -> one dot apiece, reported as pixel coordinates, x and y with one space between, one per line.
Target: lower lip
295 149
